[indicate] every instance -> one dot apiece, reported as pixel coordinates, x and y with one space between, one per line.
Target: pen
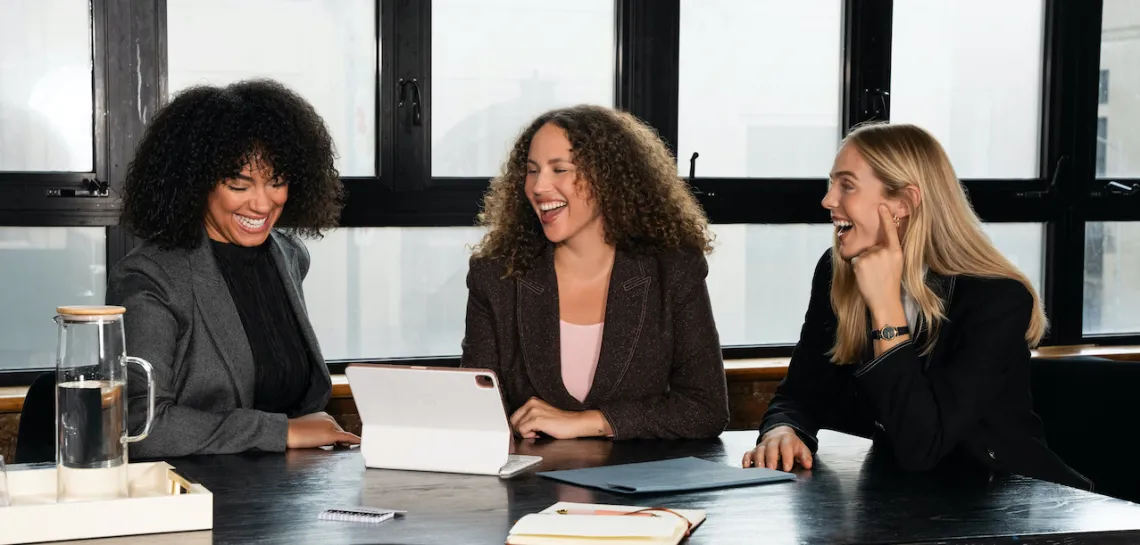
602 512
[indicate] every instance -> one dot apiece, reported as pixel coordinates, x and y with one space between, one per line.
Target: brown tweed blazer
660 372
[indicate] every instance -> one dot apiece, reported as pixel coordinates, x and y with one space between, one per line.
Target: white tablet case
430 419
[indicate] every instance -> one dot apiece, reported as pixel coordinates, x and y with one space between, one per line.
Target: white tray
161 501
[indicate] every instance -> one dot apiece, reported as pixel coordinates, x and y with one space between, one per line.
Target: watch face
889 332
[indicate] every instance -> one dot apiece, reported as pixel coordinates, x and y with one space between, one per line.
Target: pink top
581 346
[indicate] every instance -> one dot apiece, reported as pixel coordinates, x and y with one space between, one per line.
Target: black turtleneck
282 362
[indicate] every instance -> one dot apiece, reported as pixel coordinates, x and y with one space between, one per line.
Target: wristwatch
889 332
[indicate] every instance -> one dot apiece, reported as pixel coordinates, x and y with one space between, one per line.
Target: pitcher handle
149 397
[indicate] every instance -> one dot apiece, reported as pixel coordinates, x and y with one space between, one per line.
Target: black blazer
968 399
660 372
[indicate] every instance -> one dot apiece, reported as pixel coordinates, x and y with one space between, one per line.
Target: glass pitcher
91 403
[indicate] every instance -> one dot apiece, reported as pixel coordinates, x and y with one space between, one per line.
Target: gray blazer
180 317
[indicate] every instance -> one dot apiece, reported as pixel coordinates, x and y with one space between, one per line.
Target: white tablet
434 419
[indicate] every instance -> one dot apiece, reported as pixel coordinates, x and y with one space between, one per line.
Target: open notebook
566 523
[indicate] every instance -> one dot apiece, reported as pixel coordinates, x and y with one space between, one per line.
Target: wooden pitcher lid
91 310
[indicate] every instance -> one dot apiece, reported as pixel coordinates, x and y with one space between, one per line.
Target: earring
897 224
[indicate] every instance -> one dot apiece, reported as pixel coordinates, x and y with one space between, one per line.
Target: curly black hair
208 134
646 207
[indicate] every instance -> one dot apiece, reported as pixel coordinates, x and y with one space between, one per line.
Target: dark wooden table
853 495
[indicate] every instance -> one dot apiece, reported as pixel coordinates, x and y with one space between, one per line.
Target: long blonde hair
944 234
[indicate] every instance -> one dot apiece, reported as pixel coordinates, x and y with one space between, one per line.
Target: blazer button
991 453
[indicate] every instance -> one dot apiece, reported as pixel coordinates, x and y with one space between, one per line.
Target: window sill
12 397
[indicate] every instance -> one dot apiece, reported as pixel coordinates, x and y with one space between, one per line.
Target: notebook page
597 526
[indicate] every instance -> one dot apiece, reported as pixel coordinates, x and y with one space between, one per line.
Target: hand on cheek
878 269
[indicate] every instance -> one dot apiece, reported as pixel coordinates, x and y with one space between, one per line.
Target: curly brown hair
206 135
646 208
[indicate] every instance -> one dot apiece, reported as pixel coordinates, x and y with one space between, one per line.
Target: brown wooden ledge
776 368
761 369
12 398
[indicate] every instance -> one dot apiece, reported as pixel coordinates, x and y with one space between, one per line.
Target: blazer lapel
943 288
625 316
540 336
218 312
285 266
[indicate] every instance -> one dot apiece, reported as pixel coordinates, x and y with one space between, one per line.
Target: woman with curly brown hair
591 229
213 297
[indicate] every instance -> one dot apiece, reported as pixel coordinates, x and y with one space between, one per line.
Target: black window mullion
647 63
1072 66
130 60
101 33
762 200
1079 26
368 197
866 66
386 38
411 85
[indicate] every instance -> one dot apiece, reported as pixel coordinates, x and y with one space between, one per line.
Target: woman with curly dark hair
590 228
221 185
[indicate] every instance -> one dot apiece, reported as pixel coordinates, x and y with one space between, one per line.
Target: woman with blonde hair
918 332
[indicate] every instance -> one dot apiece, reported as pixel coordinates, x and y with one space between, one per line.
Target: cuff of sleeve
808 438
900 349
275 434
613 417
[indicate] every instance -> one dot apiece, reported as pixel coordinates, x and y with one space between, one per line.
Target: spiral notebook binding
358 514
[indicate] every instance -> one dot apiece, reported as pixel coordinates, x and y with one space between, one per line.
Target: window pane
756 298
45 92
773 110
44 268
323 49
390 292
1119 100
497 64
401 292
760 300
1024 245
969 71
1101 147
1112 285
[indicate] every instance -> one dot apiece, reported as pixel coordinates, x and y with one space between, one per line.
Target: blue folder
676 475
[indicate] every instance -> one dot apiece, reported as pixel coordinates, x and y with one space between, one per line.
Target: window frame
24 195
646 81
128 52
1088 198
1064 196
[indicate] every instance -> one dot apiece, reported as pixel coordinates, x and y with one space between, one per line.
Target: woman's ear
910 200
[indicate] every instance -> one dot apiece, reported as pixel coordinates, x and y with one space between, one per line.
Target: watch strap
889 332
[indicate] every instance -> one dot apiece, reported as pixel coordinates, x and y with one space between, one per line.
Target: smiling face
560 198
853 197
241 210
